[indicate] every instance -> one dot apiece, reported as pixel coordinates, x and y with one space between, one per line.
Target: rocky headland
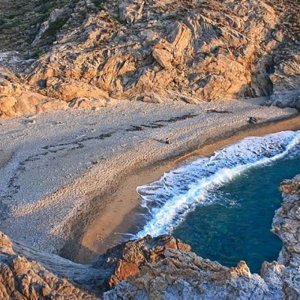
156 268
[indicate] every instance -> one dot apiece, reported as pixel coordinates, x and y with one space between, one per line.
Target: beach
100 236
68 179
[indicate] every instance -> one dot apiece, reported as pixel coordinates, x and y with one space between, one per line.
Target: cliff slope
83 53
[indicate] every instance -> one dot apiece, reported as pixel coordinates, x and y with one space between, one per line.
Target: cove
236 225
223 205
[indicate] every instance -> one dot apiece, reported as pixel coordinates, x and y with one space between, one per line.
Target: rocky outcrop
286 99
126 260
18 99
156 268
187 48
286 225
152 50
28 274
22 278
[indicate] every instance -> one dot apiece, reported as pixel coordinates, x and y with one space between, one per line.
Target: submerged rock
156 268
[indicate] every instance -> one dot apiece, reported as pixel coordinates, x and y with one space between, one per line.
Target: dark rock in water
156 268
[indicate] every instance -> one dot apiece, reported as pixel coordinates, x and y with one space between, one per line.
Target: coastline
119 216
150 150
66 166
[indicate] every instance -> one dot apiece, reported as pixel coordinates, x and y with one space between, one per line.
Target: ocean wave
178 192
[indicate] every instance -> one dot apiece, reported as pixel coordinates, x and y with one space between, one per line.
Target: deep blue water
236 225
223 205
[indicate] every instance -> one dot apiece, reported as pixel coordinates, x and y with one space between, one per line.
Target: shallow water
223 205
236 225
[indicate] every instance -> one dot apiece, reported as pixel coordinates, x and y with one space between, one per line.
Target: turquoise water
223 205
235 225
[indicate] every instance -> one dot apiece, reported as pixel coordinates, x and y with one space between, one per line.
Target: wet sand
120 214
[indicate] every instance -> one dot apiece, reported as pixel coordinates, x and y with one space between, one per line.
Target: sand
64 170
117 219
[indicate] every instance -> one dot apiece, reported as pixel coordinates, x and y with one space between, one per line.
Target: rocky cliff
86 53
156 268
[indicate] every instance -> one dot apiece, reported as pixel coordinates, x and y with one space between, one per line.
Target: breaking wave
178 192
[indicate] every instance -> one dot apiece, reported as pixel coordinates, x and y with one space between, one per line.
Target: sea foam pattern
179 191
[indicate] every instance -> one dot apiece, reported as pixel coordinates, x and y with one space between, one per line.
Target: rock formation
89 51
156 268
23 278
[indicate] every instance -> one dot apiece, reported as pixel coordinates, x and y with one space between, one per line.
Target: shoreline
67 166
119 217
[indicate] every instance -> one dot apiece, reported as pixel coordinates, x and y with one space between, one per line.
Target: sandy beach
119 217
75 172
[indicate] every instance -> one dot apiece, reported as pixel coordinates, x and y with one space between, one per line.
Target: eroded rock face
17 98
207 49
156 268
22 278
286 225
126 260
286 99
152 50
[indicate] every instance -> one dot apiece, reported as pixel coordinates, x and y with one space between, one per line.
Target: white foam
179 191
